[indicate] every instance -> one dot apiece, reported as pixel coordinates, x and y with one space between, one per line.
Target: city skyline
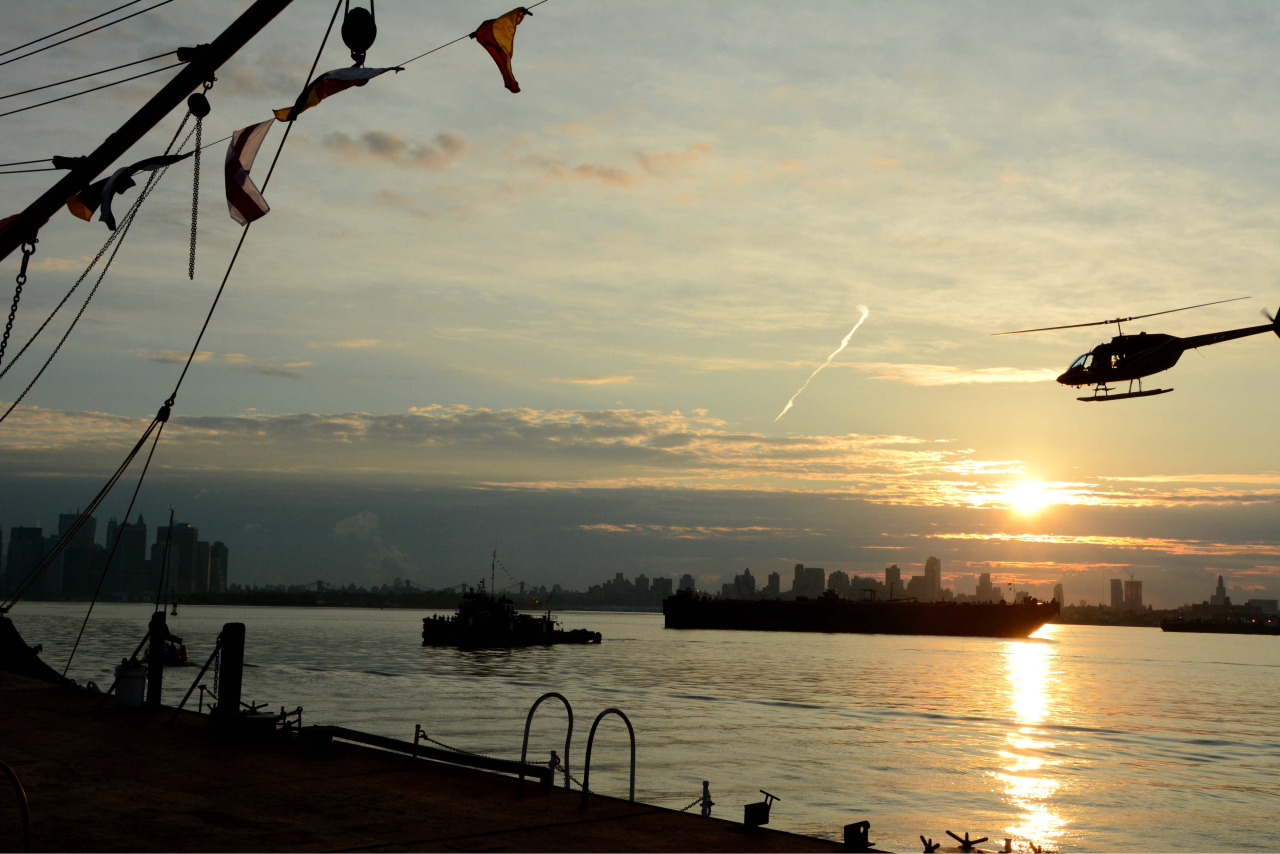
566 320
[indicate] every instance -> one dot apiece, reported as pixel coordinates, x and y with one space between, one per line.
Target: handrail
22 802
217 647
524 749
586 765
453 757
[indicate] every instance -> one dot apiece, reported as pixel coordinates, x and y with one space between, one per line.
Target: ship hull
1220 627
487 634
966 619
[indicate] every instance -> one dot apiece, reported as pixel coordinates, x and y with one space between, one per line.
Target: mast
204 61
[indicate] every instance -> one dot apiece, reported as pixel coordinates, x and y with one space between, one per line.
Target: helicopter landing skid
1127 394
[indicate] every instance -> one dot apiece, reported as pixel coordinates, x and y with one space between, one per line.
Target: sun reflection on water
1027 766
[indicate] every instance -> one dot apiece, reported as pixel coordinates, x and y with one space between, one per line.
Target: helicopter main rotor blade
1118 319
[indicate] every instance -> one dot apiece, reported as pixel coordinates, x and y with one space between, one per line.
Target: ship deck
100 778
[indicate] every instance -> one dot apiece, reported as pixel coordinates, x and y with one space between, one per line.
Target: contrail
865 312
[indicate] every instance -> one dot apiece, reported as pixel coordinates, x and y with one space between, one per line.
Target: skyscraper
893 581
985 592
933 579
1058 594
1133 595
1117 594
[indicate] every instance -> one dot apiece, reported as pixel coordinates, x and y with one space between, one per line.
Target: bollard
231 674
857 836
707 803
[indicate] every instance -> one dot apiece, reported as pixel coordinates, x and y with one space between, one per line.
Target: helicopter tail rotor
1275 320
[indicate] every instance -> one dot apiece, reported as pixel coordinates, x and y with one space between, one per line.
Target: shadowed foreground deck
106 779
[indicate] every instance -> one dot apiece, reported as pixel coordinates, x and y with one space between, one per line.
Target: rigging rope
72 27
34 575
85 76
455 41
87 91
85 33
245 233
124 230
111 556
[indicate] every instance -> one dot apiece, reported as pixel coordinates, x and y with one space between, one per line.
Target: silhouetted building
661 588
838 583
1133 595
744 585
933 579
688 582
218 567
893 581
985 592
26 550
129 575
1117 594
76 571
809 581
774 588
1219 596
1058 594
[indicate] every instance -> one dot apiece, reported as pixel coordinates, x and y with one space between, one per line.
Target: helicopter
1132 357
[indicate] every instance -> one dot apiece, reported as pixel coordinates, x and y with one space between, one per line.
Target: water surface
1082 738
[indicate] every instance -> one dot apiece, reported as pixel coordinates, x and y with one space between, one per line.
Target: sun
1028 497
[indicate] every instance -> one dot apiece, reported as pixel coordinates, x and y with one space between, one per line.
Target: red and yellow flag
498 35
329 83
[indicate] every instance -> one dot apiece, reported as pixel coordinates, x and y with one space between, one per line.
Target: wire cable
121 232
114 546
89 32
25 162
458 39
72 27
94 89
86 76
245 233
24 171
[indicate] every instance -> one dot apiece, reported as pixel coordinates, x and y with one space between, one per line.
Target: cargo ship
1226 626
830 613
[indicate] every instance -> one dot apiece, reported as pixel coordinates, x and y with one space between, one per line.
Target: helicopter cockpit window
1082 362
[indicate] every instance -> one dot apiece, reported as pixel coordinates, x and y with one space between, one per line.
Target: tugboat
485 620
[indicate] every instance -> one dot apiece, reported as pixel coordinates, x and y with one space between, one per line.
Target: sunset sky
566 321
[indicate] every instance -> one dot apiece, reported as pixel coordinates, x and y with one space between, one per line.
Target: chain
217 668
195 200
28 249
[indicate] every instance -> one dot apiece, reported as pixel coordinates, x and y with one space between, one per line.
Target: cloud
686 532
50 264
248 364
935 375
666 162
390 147
877 160
361 526
614 380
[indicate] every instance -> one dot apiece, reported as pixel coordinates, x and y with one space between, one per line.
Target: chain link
195 200
28 249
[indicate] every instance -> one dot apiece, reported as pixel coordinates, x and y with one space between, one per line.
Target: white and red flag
244 201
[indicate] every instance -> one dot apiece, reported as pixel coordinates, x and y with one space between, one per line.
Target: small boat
174 655
484 620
